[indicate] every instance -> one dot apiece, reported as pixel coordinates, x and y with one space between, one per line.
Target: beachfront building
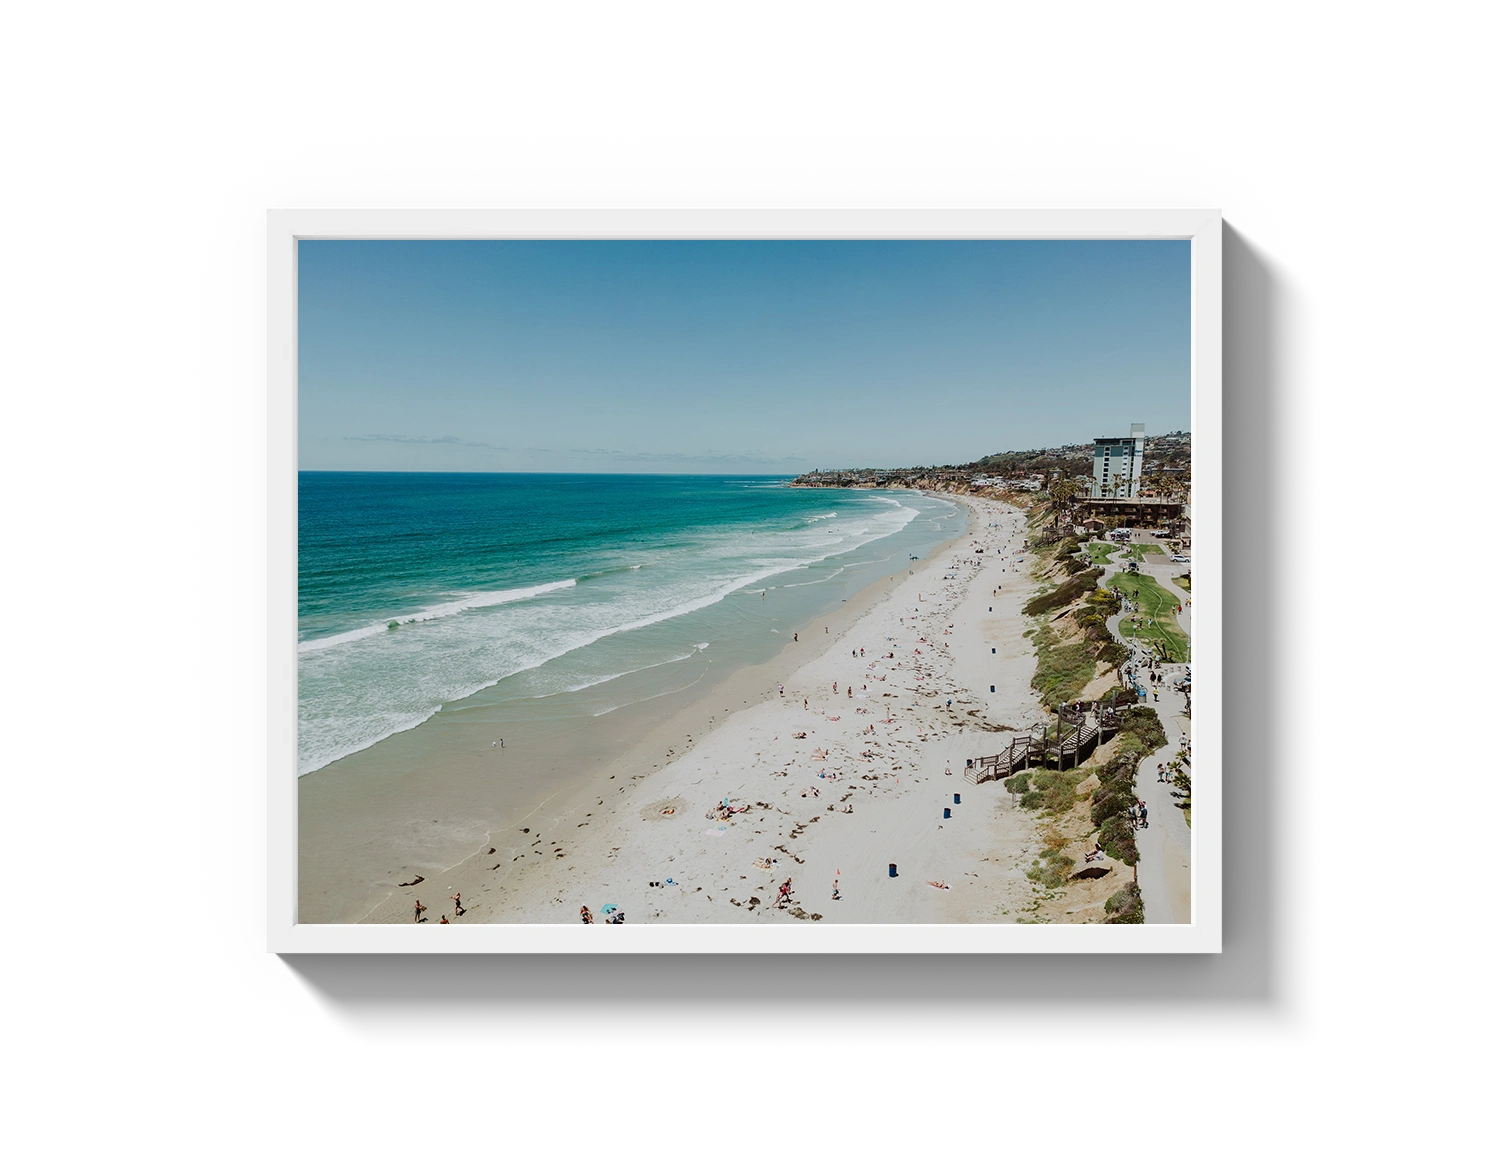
1140 512
1117 466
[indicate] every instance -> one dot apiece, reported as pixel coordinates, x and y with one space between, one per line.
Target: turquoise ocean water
420 591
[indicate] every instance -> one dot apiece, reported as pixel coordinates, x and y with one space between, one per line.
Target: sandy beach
829 764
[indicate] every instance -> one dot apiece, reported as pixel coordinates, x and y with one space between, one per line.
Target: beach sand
893 753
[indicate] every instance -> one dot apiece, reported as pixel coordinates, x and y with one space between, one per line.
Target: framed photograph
794 581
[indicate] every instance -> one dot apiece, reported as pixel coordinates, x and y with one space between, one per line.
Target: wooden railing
1061 745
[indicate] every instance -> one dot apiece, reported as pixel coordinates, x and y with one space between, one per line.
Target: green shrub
1117 838
1065 594
1125 907
1052 869
1058 790
1113 654
1145 724
1113 804
1062 668
1019 783
1032 800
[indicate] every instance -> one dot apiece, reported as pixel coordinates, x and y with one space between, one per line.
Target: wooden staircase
1060 746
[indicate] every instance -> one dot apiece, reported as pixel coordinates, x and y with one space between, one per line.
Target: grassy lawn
1155 603
1139 552
1100 551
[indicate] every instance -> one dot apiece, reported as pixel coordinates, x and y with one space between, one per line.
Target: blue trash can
947 812
958 798
893 869
992 688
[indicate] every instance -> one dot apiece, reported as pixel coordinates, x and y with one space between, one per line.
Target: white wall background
1351 147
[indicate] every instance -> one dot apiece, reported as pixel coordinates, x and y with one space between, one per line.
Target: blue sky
731 356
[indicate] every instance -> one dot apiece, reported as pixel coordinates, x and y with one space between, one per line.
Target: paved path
1166 845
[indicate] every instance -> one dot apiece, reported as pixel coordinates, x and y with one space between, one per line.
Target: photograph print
807 582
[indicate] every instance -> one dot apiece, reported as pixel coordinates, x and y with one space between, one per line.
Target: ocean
573 593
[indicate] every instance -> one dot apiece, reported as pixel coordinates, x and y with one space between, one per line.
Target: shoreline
573 843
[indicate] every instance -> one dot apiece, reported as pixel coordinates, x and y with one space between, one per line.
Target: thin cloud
754 457
449 440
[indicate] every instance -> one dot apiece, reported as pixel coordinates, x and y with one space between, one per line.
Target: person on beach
835 889
781 690
420 908
458 905
587 916
794 636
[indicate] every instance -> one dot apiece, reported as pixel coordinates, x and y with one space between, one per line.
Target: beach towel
714 832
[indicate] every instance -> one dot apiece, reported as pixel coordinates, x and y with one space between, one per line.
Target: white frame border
1202 227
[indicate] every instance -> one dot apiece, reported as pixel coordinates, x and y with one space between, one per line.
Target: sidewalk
1166 846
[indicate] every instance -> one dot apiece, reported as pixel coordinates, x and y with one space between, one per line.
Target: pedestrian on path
1144 823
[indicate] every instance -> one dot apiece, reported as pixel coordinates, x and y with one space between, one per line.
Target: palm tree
1057 499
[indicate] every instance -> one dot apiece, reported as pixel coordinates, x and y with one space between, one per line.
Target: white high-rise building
1118 464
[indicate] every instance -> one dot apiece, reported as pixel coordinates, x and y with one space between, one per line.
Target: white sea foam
356 689
459 605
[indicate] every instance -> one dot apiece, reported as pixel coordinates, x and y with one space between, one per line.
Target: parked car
1179 559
